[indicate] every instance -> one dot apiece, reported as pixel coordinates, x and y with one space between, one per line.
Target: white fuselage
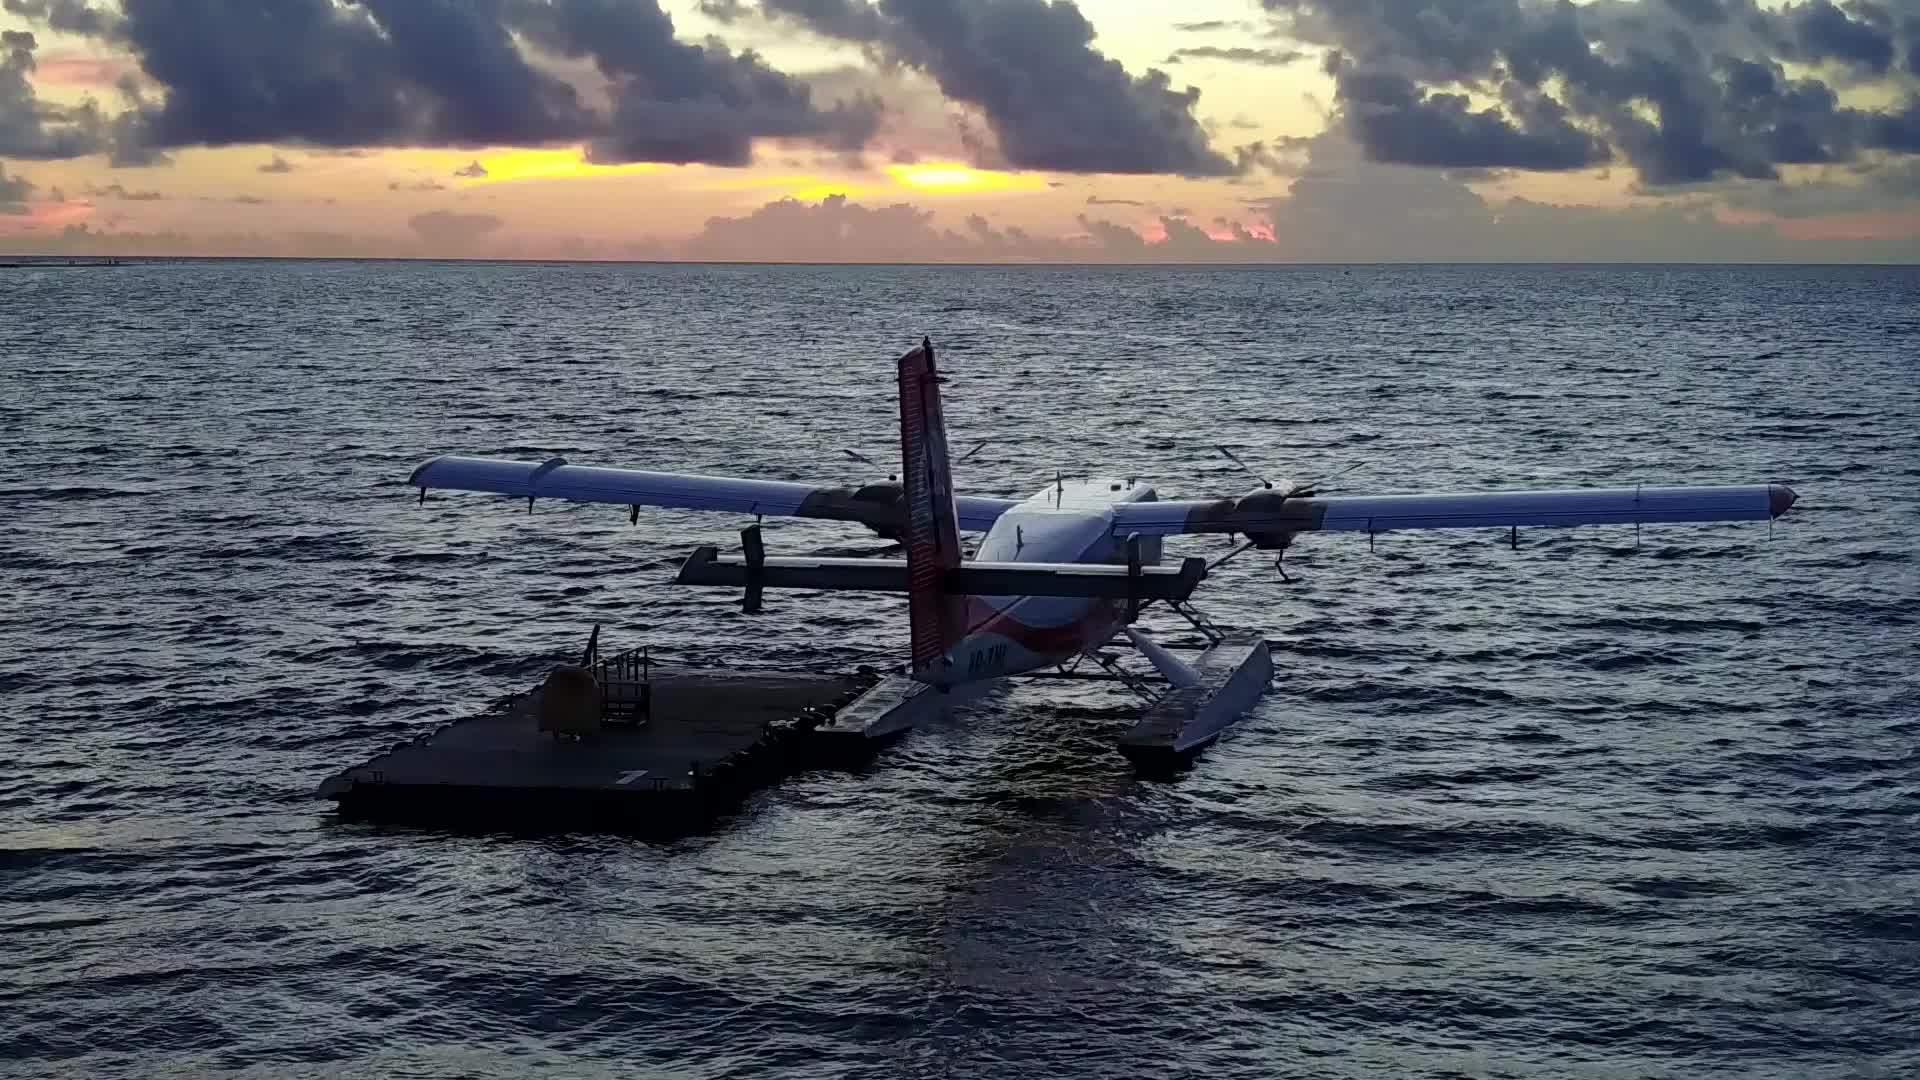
1065 523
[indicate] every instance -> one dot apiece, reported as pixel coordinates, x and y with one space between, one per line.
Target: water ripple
1605 806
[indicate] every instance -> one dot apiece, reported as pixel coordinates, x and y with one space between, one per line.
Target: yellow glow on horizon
954 178
506 166
823 192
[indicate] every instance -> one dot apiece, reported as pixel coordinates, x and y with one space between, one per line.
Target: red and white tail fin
932 535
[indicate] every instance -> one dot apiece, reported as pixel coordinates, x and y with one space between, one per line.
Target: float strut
1133 578
756 551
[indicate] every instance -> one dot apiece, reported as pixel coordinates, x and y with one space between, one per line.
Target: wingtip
1780 498
413 478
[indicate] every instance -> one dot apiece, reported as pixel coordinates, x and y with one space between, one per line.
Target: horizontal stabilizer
707 566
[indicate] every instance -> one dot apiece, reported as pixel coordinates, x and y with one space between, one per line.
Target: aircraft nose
1780 498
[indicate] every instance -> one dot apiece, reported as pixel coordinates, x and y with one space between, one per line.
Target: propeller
962 460
1244 467
865 460
893 478
1294 489
1272 500
1312 487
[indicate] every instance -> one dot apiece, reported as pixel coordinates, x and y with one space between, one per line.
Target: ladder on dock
626 688
625 681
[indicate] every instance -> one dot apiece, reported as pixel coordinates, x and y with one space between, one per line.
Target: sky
1134 131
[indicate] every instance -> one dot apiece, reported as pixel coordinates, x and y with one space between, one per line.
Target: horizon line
23 261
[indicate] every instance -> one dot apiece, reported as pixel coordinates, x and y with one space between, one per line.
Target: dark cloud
680 103
1051 99
1239 55
65 16
1275 156
34 129
449 229
725 11
1824 32
420 73
13 192
472 171
1401 122
1684 90
1095 200
1208 26
419 185
277 165
1899 132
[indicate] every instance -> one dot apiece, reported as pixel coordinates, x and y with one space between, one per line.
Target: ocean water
1599 807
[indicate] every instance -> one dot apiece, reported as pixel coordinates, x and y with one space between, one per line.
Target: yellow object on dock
570 703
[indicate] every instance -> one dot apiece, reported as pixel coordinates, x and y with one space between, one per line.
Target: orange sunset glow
1228 130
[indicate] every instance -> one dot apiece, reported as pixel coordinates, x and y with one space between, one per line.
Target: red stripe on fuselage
1103 617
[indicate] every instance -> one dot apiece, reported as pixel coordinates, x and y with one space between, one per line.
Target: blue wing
555 479
1266 512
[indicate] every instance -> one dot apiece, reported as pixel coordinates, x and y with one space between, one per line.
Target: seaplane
1060 578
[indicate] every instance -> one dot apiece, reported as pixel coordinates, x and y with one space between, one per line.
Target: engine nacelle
1269 503
886 493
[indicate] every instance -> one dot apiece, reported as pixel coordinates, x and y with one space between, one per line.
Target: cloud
34 129
1686 91
1239 55
419 73
1342 208
1345 207
418 185
1095 200
13 192
839 230
474 171
115 191
277 165
832 230
449 229
1051 100
1893 187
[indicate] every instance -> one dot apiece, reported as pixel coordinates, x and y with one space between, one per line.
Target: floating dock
623 744
702 741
